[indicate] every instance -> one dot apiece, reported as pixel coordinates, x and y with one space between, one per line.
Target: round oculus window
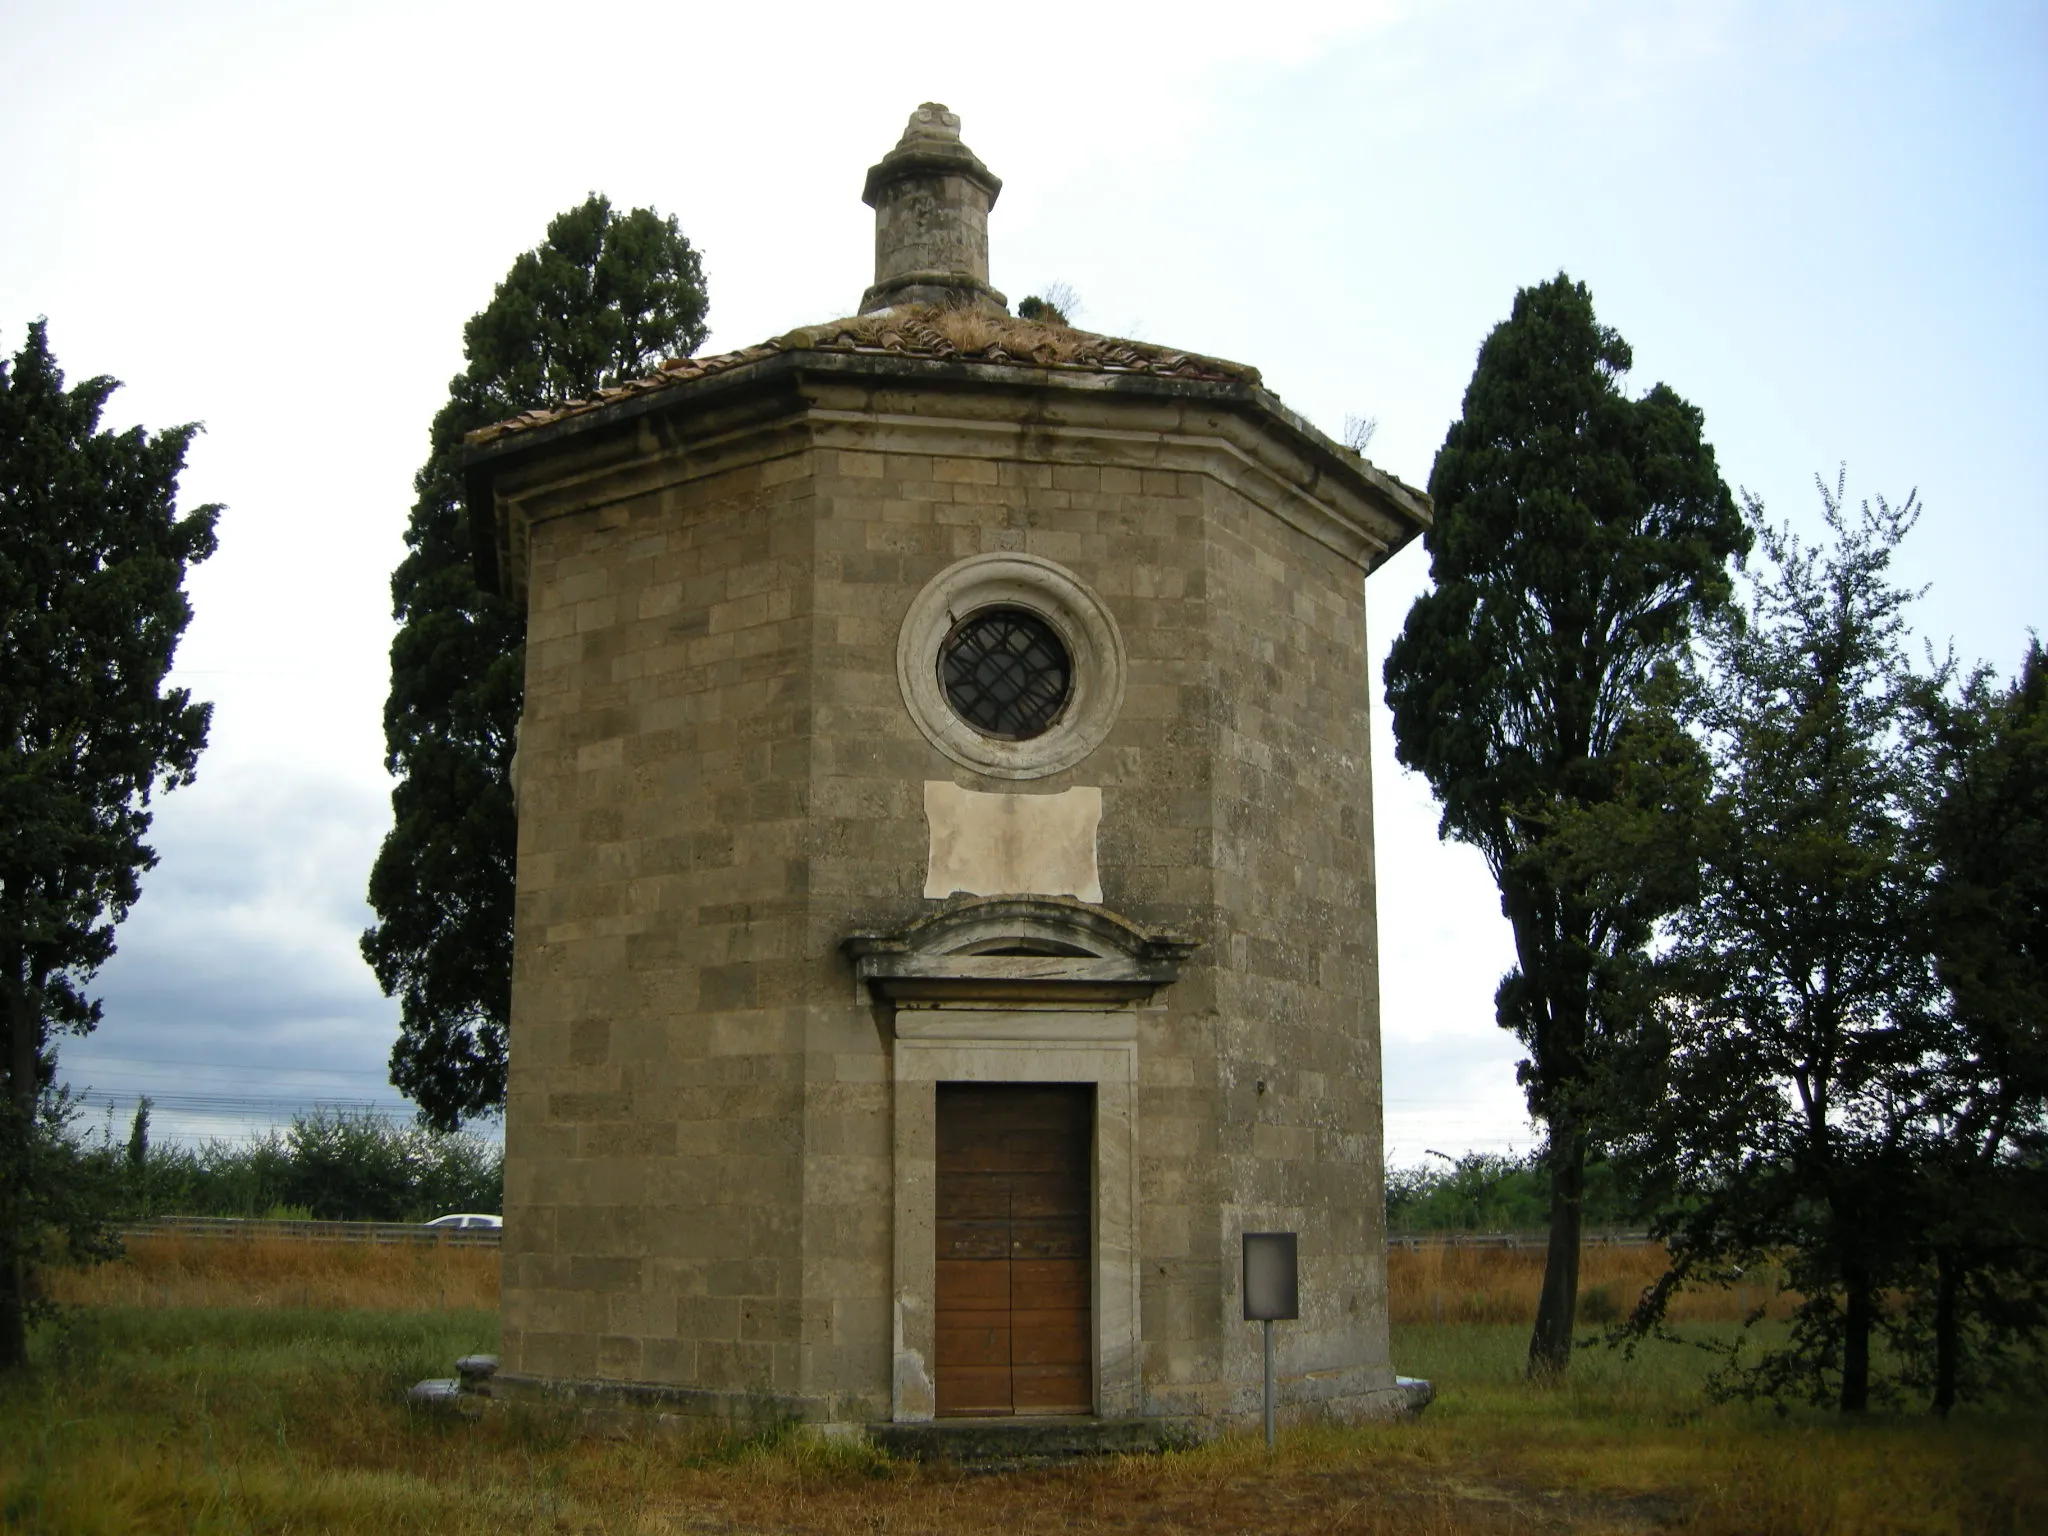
1006 672
1010 665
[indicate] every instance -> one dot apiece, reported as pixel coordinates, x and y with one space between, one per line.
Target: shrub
1485 1192
329 1166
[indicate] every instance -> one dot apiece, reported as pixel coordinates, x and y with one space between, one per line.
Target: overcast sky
1823 224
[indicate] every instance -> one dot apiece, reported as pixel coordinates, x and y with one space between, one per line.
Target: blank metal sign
1271 1291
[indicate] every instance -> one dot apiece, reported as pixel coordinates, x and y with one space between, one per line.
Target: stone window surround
967 1046
1081 620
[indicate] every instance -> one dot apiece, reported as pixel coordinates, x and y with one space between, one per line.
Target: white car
465 1220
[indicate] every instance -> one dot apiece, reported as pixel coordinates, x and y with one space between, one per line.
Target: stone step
997 1444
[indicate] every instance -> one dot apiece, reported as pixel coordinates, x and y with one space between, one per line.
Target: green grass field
293 1419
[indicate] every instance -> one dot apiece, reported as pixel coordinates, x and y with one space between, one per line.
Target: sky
1826 225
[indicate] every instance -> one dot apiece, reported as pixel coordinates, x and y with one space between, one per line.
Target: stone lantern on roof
945 912
931 197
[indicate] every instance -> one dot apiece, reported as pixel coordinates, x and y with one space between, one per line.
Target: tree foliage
1580 532
605 297
327 1165
93 554
1488 1192
1980 1194
1802 1001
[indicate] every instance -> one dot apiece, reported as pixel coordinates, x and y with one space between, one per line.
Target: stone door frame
984 1046
1016 989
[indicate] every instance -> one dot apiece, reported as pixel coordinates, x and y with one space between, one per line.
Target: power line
131 1083
239 1104
89 1059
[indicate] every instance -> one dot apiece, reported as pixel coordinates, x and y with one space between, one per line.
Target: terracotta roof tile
949 335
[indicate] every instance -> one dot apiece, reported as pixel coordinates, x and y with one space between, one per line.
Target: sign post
1272 1293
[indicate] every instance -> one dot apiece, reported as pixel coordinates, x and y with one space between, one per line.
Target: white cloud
237 974
1825 228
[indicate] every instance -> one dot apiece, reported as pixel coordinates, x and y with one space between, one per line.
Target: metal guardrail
1416 1241
248 1229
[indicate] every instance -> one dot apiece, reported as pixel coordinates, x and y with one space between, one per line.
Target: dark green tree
1801 998
329 1165
1981 1304
604 298
1486 1192
93 554
138 1137
1579 534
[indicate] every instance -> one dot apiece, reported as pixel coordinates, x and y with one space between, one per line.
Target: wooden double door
1014 1202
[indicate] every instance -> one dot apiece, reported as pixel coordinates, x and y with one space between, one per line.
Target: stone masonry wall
887 523
1299 1111
719 780
932 222
654 1137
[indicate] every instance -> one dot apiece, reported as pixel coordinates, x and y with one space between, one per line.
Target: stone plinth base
1420 1393
600 1406
1358 1396
1353 1403
995 1444
1410 1395
627 1408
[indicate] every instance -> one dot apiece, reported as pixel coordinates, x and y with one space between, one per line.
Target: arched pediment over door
1029 953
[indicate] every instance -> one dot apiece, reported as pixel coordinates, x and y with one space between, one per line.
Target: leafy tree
1802 1003
1486 1192
328 1165
1579 534
93 555
603 298
359 1168
1982 1181
138 1136
1058 305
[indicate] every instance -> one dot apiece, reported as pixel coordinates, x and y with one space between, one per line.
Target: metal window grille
1006 673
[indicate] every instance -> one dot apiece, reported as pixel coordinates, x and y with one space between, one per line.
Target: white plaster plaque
1012 845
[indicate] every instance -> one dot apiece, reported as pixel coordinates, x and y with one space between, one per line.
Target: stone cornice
929 157
789 401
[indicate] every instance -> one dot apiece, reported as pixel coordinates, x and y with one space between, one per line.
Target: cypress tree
604 298
1580 532
93 554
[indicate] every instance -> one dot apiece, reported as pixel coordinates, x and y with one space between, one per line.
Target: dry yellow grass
1433 1284
230 1386
286 1272
286 1420
1444 1283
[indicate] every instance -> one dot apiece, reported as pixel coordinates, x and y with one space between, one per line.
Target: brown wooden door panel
977 1344
1049 1338
1051 1389
1044 1150
1012 1249
1059 1238
1043 1284
968 1392
973 1239
973 1285
1056 1192
981 1157
974 1197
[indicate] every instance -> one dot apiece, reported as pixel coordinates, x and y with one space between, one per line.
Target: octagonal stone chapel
945 910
